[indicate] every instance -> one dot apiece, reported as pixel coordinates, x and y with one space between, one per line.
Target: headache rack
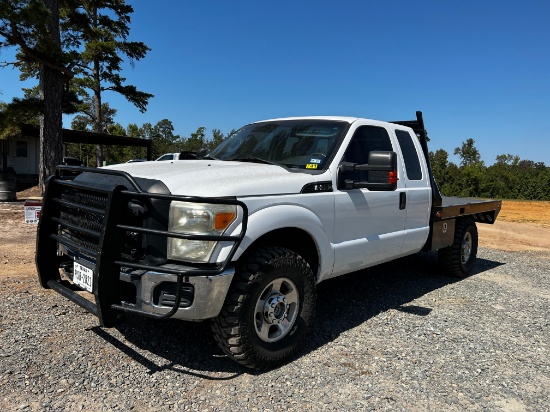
106 225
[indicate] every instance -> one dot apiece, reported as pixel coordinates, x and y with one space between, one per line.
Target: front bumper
153 293
204 298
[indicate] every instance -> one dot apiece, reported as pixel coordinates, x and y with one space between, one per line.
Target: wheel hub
275 309
466 248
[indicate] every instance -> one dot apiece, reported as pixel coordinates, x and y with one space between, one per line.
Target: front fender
269 219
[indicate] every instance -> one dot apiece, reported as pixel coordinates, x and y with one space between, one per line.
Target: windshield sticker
311 166
318 161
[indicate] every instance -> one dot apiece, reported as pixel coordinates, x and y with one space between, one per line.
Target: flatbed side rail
92 221
482 211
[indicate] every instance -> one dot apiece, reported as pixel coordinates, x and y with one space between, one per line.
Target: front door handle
402 200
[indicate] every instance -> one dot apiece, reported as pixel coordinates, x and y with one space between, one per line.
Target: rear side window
410 156
166 157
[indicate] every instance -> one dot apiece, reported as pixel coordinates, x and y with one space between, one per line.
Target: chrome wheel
276 310
466 250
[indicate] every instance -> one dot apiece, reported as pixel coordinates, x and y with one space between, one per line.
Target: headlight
197 219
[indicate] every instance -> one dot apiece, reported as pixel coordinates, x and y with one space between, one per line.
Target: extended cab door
418 191
369 225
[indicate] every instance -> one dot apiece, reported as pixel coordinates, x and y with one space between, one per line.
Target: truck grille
85 214
82 219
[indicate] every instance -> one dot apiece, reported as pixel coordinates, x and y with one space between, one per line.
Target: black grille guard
108 259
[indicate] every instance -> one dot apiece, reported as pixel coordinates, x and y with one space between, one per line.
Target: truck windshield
300 144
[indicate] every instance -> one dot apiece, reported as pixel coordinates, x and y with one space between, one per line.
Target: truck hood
215 178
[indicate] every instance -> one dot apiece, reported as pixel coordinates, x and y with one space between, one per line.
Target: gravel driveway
395 337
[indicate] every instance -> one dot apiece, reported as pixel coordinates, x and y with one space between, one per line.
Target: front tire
458 259
268 309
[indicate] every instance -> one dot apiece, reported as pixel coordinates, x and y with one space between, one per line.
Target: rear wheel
268 310
458 259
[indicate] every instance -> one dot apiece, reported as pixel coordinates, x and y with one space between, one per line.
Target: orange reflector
439 214
392 177
223 220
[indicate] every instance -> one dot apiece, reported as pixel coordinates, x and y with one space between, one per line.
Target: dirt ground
520 226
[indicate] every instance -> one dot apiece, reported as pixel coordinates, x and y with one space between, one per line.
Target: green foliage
468 154
26 24
509 178
161 133
100 30
196 141
112 153
164 139
18 113
440 162
85 122
32 27
217 138
84 152
471 180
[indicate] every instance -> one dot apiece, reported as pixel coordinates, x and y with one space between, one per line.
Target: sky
476 69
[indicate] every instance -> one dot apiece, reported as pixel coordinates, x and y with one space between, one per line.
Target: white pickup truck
243 234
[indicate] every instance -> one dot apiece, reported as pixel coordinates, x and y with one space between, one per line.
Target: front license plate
83 277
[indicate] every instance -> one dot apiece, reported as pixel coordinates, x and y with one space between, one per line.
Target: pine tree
101 29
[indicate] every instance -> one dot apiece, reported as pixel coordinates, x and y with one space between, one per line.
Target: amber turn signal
223 220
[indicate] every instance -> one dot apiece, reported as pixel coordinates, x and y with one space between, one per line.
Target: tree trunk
4 143
51 92
98 115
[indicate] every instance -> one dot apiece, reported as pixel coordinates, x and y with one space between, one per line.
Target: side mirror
201 153
381 173
186 155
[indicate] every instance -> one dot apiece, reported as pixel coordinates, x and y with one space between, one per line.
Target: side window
410 156
365 140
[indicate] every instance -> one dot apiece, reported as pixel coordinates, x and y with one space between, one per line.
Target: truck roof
340 118
333 118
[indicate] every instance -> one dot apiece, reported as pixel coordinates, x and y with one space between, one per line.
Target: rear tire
459 258
268 310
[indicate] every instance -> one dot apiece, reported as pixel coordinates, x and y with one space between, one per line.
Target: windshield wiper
256 160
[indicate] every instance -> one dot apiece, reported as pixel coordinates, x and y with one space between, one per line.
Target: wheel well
294 239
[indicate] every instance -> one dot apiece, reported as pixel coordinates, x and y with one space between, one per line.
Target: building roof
77 136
